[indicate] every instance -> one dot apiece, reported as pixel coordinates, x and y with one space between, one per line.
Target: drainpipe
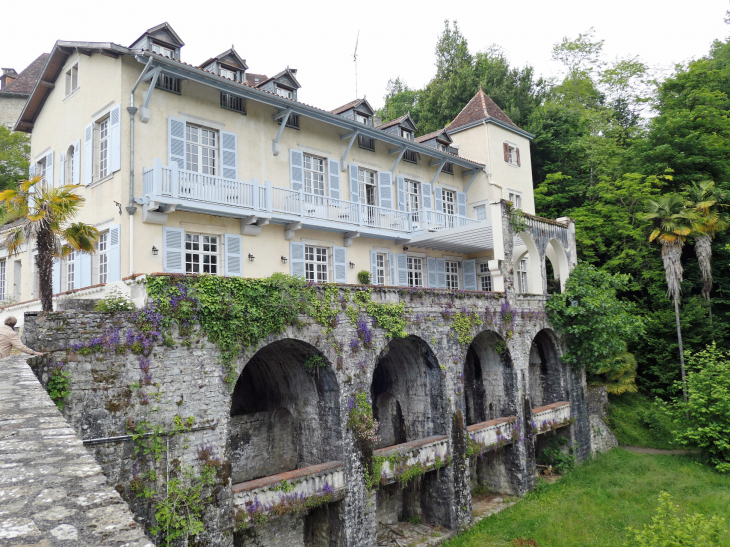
131 209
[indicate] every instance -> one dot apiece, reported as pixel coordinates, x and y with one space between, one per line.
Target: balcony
426 454
486 436
277 494
549 417
208 194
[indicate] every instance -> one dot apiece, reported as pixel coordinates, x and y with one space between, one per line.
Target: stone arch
558 258
528 250
284 416
489 379
546 371
407 391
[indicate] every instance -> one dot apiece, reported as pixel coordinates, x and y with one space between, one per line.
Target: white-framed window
283 92
201 253
316 264
228 73
40 168
362 119
512 155
162 50
515 198
413 191
480 211
201 149
2 279
452 274
102 253
72 79
70 270
102 147
406 134
449 197
522 276
315 175
368 188
415 271
381 268
69 164
485 277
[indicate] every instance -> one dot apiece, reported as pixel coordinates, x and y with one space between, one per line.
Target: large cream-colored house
207 168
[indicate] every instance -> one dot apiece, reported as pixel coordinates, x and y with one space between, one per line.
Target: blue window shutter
89 154
61 169
115 253
296 258
374 266
82 270
470 274
426 191
176 142
385 189
173 250
391 264
56 276
402 266
49 169
401 194
354 184
234 255
432 272
334 172
229 155
76 167
31 170
340 263
296 170
461 203
441 270
439 199
115 139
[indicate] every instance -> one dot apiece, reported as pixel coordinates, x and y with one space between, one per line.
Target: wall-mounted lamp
154 250
352 264
283 259
251 257
405 248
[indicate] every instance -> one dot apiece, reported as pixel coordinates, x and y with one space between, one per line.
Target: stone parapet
428 453
551 416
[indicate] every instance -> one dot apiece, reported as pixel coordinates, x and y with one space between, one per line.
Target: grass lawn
594 504
634 422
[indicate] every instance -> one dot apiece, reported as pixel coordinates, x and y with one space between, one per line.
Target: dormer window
406 134
362 119
228 73
283 92
162 50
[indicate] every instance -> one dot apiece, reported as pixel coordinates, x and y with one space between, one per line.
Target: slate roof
434 135
352 104
392 122
26 80
479 108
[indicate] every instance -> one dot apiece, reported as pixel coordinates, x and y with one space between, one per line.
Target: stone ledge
52 491
287 476
426 452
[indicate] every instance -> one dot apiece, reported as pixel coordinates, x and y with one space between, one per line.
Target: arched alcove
546 372
284 412
488 378
559 260
525 249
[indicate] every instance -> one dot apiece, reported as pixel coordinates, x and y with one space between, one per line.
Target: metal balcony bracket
353 135
441 164
348 237
144 111
473 173
397 160
290 228
282 115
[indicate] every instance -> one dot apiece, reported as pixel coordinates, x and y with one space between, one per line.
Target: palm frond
81 237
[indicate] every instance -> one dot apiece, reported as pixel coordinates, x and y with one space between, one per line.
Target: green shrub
708 406
58 386
668 529
114 301
555 455
364 277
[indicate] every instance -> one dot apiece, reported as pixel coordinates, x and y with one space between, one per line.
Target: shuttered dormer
406 129
161 39
228 64
284 84
360 111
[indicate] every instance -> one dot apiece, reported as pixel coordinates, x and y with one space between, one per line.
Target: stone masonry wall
111 392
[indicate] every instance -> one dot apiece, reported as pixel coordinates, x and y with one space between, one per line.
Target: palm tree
45 215
672 223
708 202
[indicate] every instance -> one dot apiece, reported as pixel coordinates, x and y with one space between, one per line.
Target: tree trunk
703 248
681 349
44 263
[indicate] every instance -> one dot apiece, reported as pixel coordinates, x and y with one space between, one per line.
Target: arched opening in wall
407 393
557 266
549 398
490 401
285 423
70 164
527 266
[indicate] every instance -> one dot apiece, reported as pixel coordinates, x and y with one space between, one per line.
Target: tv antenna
355 59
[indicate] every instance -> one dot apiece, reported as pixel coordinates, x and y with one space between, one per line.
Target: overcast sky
396 38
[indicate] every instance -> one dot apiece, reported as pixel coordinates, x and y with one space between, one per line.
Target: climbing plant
58 386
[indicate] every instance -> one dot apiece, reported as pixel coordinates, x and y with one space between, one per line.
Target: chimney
8 77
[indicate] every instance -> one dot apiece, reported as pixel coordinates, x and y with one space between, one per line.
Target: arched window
69 165
522 276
